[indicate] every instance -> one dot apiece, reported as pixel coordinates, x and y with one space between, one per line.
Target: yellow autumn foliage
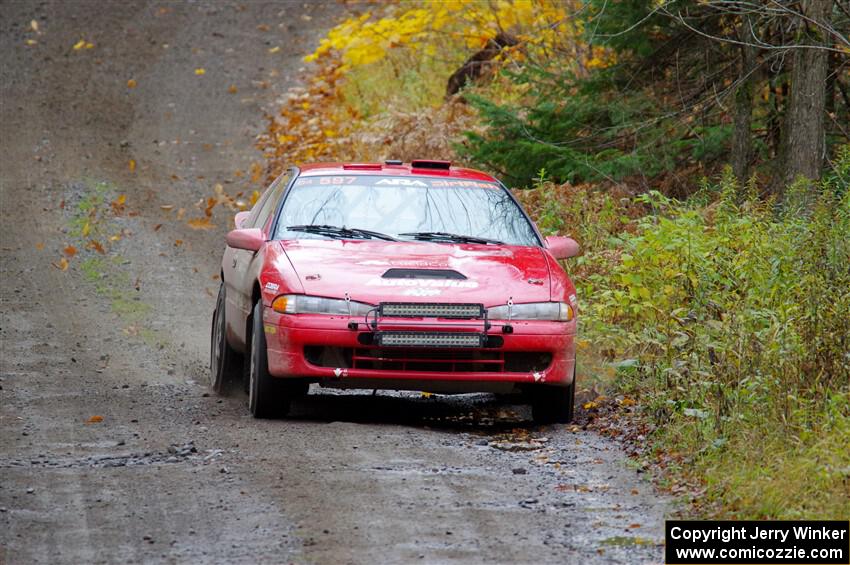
376 72
539 25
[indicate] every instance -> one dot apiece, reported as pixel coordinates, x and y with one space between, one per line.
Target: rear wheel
225 362
552 404
268 397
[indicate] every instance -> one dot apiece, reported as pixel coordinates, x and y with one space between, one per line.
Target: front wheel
268 397
551 404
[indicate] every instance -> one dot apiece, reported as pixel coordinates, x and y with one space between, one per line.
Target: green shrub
737 314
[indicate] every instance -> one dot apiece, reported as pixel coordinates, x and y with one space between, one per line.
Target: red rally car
419 276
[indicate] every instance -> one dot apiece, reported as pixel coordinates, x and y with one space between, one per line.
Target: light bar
429 310
422 339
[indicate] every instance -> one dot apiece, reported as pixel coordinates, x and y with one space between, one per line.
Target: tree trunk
742 141
804 124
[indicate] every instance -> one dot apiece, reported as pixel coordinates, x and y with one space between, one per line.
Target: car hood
493 273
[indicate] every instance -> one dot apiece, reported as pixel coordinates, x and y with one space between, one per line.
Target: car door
239 265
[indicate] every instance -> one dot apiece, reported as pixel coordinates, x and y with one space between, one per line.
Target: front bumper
323 348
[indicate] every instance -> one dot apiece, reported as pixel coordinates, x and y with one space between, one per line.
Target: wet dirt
113 449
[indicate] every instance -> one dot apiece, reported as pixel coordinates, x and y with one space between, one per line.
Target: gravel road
112 448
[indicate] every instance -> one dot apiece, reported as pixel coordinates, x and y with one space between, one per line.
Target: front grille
429 310
432 360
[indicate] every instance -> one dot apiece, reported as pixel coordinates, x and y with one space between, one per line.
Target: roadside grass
94 225
786 475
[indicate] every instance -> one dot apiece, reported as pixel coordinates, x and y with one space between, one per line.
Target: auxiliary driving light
422 339
429 310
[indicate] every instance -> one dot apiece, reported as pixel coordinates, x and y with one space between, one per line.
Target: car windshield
403 208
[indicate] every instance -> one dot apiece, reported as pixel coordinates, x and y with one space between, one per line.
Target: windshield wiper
449 237
340 232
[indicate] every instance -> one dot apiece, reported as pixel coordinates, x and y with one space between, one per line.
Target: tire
268 397
226 365
552 404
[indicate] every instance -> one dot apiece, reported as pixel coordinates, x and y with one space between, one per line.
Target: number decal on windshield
337 180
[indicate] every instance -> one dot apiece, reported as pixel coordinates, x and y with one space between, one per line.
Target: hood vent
424 274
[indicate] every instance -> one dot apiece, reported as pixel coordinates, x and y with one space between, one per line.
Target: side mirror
240 218
249 239
562 247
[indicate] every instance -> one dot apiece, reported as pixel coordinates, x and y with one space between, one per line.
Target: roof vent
393 162
429 164
423 274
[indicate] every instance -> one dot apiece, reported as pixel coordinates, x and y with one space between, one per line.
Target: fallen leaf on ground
132 165
633 526
118 204
263 27
210 204
62 265
70 251
178 242
86 229
232 89
83 44
34 25
131 83
274 50
180 213
200 71
39 246
97 247
156 227
30 41
94 420
200 224
256 172
167 207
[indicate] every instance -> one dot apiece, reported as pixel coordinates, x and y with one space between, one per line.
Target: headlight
552 311
302 304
